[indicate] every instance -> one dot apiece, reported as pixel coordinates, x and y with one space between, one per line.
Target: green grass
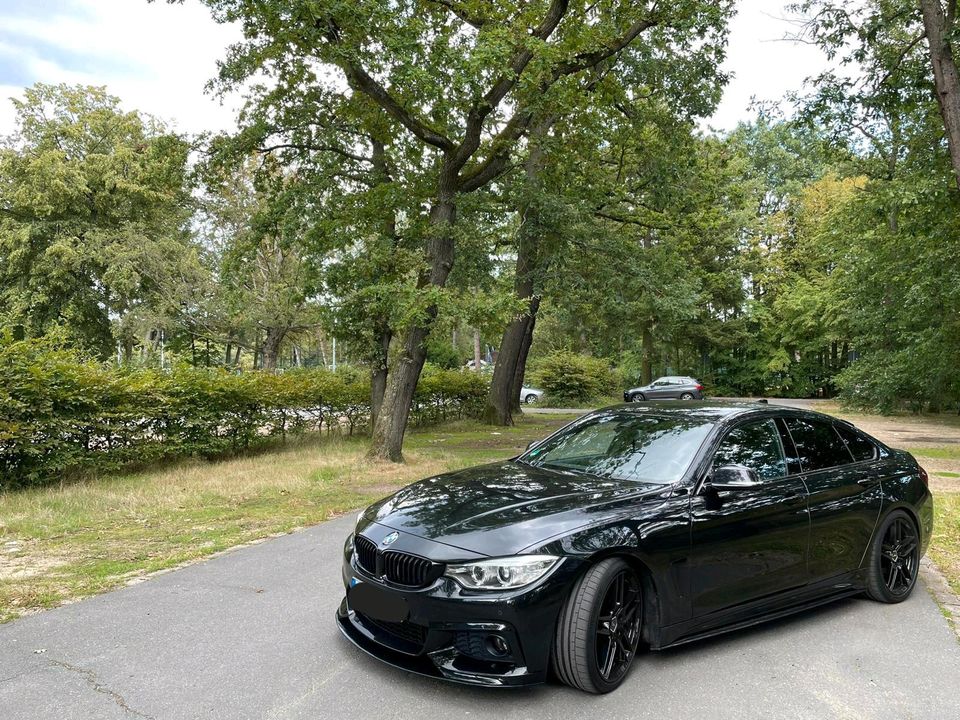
61 543
946 473
939 453
945 547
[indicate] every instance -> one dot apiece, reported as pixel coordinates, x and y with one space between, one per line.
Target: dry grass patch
61 543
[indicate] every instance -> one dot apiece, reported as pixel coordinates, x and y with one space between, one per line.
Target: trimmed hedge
60 415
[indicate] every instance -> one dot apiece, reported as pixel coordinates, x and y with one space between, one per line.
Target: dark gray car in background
675 387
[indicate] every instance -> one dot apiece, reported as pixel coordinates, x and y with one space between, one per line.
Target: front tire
637 397
893 562
599 628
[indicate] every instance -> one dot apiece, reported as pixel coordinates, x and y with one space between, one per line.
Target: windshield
644 448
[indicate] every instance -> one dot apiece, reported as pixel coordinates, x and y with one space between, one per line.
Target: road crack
91 678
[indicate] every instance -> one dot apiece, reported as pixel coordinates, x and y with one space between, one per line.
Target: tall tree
94 211
465 81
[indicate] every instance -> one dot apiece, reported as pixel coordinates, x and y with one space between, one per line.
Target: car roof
711 410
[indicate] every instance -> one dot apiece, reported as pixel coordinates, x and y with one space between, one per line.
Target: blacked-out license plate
377 603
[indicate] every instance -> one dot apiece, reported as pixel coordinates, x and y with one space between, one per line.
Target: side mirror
734 477
532 444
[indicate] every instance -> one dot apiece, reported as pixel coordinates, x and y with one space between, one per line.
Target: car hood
503 508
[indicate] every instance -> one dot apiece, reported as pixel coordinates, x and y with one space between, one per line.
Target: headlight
502 573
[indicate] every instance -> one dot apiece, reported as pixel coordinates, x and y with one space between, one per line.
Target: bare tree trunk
387 441
646 365
271 347
476 350
939 26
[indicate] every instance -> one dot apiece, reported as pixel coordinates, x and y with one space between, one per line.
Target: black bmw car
637 526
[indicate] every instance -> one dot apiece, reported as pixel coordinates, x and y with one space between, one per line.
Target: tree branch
318 148
585 61
375 91
361 80
903 55
504 84
469 19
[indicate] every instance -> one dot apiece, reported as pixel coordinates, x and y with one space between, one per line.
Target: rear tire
687 396
529 399
599 628
893 561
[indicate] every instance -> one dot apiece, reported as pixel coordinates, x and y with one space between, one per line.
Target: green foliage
94 213
569 377
60 414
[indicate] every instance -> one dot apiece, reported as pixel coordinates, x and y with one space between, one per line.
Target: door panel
844 507
748 543
845 497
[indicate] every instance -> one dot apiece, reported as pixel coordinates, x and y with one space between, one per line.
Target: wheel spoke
611 657
894 575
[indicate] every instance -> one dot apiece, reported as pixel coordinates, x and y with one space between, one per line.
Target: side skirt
683 633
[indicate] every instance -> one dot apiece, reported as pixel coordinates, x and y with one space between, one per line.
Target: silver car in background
671 387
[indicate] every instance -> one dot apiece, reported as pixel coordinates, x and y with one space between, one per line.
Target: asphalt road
250 634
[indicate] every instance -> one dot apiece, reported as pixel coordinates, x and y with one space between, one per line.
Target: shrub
569 377
60 414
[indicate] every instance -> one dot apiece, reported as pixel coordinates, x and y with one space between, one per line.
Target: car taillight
924 478
699 387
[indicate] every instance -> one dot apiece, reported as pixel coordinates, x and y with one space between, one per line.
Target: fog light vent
484 646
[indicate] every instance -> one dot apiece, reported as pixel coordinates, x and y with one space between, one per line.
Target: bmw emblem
390 539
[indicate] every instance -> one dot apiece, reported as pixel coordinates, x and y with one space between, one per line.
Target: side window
859 446
755 445
818 445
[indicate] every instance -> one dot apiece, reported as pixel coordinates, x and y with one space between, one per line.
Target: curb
941 591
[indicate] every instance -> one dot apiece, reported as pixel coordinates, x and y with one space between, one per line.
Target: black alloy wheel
599 628
894 559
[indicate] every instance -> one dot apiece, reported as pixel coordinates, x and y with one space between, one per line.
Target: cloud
158 57
765 65
155 57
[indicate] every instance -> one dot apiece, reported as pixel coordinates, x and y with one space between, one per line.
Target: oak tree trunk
939 27
271 347
521 370
378 375
503 398
387 440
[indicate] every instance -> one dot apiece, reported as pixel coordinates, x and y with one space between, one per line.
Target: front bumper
448 633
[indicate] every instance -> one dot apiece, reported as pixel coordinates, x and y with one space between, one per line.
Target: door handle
868 481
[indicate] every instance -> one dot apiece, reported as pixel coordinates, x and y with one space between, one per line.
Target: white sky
157 57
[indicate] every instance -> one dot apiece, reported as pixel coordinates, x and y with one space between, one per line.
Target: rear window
818 444
859 446
644 448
